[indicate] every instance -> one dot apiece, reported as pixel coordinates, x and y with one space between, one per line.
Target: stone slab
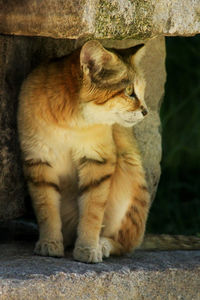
143 275
118 19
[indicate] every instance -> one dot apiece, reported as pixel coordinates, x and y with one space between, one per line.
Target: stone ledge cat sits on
81 161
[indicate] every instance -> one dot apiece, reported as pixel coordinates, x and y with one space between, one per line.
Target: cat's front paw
49 248
87 254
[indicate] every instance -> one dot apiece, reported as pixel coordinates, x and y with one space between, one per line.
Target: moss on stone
131 19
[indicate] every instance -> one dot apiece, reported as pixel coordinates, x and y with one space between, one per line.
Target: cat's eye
130 91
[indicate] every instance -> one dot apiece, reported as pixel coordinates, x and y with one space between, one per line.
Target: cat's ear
138 54
135 53
94 57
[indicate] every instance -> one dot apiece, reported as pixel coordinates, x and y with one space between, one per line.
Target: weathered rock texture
116 19
144 275
19 55
11 182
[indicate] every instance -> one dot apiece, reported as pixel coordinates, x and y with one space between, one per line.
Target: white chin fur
130 119
100 116
97 115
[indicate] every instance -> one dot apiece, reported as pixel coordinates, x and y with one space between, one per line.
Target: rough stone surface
11 182
118 19
19 55
144 275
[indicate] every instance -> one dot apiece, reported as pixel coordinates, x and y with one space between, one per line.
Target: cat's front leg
94 184
44 190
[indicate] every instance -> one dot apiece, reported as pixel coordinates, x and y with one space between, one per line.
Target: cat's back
40 135
39 84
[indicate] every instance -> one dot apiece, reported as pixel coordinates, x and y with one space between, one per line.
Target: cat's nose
144 110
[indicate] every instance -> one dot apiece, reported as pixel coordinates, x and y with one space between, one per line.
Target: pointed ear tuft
93 56
138 54
128 51
87 51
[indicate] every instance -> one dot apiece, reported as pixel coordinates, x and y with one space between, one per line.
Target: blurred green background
176 208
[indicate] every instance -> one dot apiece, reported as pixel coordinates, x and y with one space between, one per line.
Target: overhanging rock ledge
119 19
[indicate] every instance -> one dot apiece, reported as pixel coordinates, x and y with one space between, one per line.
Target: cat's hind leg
125 219
129 200
110 247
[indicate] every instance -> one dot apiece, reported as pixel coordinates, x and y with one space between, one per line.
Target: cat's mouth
132 118
133 122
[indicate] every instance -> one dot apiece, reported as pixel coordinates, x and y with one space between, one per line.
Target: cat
80 157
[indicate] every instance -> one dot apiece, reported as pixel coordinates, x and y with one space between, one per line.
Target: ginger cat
81 161
80 158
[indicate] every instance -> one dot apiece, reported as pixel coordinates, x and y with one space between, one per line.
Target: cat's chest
67 147
93 142
53 145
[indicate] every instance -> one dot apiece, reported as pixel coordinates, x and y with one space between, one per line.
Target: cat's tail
170 242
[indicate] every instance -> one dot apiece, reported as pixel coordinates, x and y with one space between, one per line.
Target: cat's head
113 86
